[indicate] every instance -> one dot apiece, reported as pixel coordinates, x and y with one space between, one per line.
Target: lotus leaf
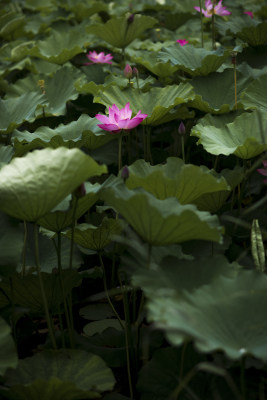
8 356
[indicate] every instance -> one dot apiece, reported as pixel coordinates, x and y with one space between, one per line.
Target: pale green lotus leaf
8 355
100 326
156 103
58 90
10 22
244 136
60 47
193 60
149 60
95 237
216 316
33 185
6 154
215 93
255 96
119 32
62 374
13 112
81 133
84 9
61 216
186 182
161 222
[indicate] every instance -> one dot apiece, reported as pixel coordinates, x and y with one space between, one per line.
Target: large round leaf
33 185
8 356
244 136
156 103
227 314
120 32
186 182
161 222
193 60
81 133
255 96
60 375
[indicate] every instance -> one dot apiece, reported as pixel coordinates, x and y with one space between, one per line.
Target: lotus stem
75 202
182 143
120 152
24 249
201 20
44 298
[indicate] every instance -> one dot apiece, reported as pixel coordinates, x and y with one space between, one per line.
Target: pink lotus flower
210 10
120 119
263 171
182 42
100 58
250 13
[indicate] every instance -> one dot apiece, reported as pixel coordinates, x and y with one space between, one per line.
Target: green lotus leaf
13 112
6 154
33 185
41 22
62 374
186 182
95 238
45 6
100 326
149 60
255 96
193 60
61 216
242 136
81 133
161 222
119 32
27 294
156 103
58 90
10 22
83 10
60 47
215 93
96 311
252 31
217 316
8 355
212 202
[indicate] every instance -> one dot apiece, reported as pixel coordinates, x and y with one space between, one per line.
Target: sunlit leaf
33 185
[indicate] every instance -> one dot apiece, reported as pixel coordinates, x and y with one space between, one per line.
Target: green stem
201 20
127 332
44 298
120 152
235 86
242 378
24 249
182 361
75 200
60 274
182 143
106 291
213 27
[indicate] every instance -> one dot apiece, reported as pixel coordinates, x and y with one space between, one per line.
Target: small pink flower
250 13
263 171
210 9
100 58
182 42
128 72
120 119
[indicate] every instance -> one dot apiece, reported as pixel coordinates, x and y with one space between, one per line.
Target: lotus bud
181 129
135 72
80 191
234 54
130 19
125 173
128 72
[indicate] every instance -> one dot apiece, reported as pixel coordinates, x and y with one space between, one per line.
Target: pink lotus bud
130 19
125 173
249 13
135 72
128 72
181 129
80 191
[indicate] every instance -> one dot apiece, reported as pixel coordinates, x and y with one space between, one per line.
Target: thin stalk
60 274
127 331
235 86
149 154
201 20
13 323
120 152
145 143
213 26
106 291
243 378
182 143
24 249
181 373
44 298
75 200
